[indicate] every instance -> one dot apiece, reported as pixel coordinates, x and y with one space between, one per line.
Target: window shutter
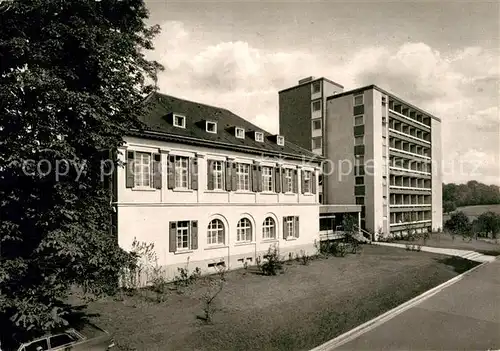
234 179
171 172
313 182
157 170
259 178
194 235
130 170
295 181
296 231
284 228
228 176
283 180
254 178
193 168
277 180
210 175
302 181
172 242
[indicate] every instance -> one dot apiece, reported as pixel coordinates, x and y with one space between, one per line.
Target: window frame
314 84
216 172
320 121
239 133
177 168
356 178
313 143
289 222
259 137
280 140
269 229
362 120
358 96
248 228
188 234
307 182
267 179
141 165
313 104
211 123
289 180
243 176
356 139
182 118
62 345
215 233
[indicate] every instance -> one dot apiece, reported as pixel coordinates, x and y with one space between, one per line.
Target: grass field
445 240
298 310
474 211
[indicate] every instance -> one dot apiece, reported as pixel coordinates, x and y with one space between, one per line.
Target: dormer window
259 137
239 133
280 140
211 127
179 121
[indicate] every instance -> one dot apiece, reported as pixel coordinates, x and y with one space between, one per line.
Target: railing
331 234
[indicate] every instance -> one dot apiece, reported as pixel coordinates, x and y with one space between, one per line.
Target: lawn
446 240
298 310
475 211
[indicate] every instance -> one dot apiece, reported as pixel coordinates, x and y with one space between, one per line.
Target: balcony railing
409 136
409 153
409 170
409 118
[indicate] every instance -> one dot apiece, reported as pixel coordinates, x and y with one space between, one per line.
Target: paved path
470 255
463 316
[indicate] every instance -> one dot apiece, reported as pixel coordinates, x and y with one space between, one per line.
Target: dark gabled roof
373 86
157 124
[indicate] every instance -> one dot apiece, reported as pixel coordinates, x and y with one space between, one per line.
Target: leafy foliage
472 193
350 225
458 224
72 81
449 206
487 223
273 263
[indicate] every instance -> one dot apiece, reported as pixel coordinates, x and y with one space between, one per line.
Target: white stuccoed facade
146 213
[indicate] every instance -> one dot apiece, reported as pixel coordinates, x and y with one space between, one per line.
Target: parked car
88 338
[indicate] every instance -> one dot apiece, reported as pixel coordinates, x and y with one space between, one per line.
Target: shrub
184 279
273 263
214 285
304 258
458 224
488 223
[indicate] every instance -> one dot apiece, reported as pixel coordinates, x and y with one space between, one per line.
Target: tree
72 82
449 206
350 226
488 223
458 224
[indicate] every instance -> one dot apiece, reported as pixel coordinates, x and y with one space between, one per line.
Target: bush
184 279
488 223
458 224
273 264
214 285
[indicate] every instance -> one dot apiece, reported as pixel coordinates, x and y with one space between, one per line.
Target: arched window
215 234
269 229
244 230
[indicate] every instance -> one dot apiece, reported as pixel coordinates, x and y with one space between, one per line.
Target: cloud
460 87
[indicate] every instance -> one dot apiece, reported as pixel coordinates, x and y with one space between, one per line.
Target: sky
441 56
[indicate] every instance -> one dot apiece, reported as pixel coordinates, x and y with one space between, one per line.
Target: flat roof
309 82
373 86
339 208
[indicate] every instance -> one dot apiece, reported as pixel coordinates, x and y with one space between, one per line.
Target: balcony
409 138
403 153
411 121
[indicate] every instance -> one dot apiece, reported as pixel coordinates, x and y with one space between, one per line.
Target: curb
375 322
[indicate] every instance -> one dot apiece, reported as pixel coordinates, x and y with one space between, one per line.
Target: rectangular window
316 105
259 137
142 169
179 121
360 181
359 140
243 176
240 133
218 175
211 127
359 120
358 100
288 180
316 87
307 182
289 227
267 179
317 124
181 172
360 200
280 140
183 235
316 143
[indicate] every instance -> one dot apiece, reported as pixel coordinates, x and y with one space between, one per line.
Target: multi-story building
205 185
382 153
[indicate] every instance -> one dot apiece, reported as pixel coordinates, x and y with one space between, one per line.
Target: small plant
304 258
273 264
214 284
184 279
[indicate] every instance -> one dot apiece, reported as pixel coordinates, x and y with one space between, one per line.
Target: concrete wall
339 177
437 177
295 115
145 214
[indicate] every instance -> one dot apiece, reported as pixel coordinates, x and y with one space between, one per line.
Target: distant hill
474 211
